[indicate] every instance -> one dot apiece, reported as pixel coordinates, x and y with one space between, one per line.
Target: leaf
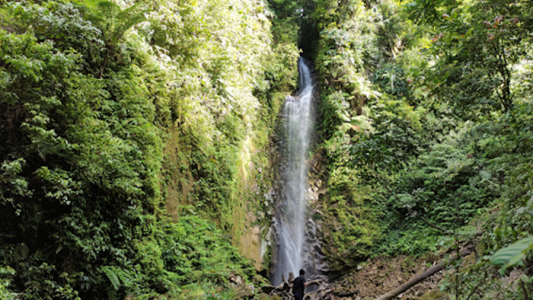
525 279
512 254
485 175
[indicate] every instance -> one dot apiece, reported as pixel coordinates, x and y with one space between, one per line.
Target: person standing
299 285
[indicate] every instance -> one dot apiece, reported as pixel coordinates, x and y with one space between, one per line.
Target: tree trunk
411 283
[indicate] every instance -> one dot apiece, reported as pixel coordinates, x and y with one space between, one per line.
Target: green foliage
350 225
85 149
346 41
513 254
478 51
280 78
114 21
197 251
90 93
395 137
446 180
413 178
434 129
425 121
426 11
61 22
440 136
293 22
285 23
6 273
225 91
413 240
391 80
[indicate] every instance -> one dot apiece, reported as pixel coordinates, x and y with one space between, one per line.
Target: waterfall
291 215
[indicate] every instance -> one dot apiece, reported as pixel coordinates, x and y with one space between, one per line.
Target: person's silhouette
299 285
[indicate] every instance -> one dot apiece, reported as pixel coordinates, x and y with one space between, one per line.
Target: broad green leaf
512 254
525 279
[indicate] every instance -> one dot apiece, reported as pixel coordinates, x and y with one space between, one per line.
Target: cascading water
291 215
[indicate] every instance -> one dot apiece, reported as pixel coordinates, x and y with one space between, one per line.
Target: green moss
349 220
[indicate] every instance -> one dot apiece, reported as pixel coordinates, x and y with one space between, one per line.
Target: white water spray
291 217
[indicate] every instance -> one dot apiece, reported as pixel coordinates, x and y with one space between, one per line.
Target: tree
479 44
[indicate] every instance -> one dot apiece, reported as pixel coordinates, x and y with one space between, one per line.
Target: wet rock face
314 258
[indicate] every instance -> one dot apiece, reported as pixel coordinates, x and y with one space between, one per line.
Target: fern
128 18
114 22
110 273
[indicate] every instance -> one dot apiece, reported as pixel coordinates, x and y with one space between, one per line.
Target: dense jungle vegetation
118 118
129 129
426 122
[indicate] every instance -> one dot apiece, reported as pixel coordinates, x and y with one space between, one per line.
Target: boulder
267 289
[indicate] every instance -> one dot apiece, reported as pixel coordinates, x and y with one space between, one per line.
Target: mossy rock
243 292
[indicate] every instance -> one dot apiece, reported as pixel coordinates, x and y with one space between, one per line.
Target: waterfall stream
291 215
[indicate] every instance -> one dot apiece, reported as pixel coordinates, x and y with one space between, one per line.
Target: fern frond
125 277
127 19
113 21
110 273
